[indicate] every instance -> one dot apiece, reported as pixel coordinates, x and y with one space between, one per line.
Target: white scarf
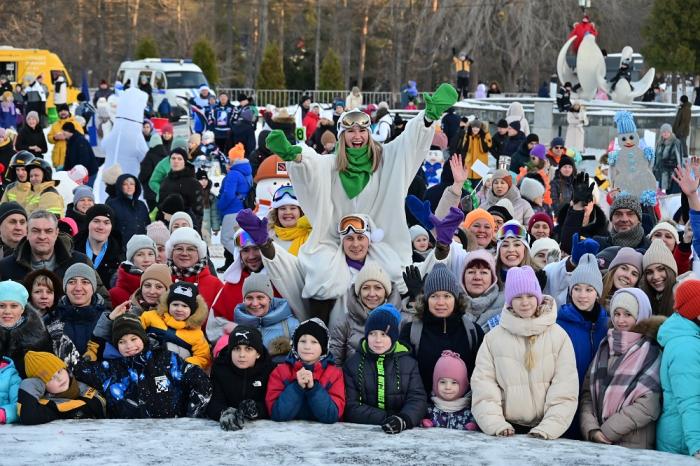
454 405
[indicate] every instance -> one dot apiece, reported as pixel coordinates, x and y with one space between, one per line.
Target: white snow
202 442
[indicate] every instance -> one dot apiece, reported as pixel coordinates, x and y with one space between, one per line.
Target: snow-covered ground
201 442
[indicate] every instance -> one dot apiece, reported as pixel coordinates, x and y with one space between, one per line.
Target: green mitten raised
278 144
443 98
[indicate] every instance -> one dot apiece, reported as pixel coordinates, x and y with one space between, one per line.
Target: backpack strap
416 331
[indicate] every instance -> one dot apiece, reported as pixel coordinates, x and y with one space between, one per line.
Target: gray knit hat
138 242
416 230
259 282
81 192
666 127
80 270
626 201
180 216
441 279
587 273
531 189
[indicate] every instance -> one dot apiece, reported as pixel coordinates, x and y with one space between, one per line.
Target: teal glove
278 144
443 98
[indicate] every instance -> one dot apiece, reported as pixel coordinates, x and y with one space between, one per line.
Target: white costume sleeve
287 277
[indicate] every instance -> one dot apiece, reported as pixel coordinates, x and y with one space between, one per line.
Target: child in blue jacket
9 387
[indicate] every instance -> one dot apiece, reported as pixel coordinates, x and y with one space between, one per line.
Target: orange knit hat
479 214
237 152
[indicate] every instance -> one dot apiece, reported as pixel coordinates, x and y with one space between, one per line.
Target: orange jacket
547 198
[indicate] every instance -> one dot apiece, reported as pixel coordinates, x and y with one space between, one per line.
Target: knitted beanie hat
185 293
503 175
512 229
540 217
658 253
317 329
539 151
138 242
81 192
544 244
587 273
665 226
372 271
99 210
633 300
158 272
531 189
628 256
80 270
566 160
481 255
245 335
687 299
626 201
522 281
13 291
158 232
441 279
479 214
384 318
180 216
42 365
260 283
504 209
557 141
127 324
416 230
451 366
186 235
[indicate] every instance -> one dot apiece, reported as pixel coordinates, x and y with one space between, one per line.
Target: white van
169 77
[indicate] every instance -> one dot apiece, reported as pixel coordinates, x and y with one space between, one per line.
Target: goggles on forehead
280 194
352 222
243 240
355 117
512 230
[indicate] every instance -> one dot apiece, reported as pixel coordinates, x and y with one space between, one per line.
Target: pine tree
147 48
271 73
330 75
670 32
203 55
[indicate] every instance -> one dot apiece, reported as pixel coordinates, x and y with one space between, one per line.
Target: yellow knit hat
42 365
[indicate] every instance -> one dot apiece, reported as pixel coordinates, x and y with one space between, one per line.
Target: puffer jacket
183 182
128 282
9 388
45 196
235 187
521 208
77 323
677 429
346 335
484 308
18 192
37 406
30 335
584 334
131 215
506 393
183 337
377 386
277 326
634 426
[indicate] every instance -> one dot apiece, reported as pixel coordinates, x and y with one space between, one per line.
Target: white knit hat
544 244
416 230
372 271
666 226
186 235
531 189
658 253
180 216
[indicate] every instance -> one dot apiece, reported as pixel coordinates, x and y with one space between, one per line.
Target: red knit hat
540 217
688 299
451 366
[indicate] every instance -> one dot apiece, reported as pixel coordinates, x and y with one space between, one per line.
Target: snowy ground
196 441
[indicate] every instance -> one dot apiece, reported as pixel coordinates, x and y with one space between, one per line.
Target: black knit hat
171 204
181 151
566 160
515 125
532 137
245 335
201 174
68 126
184 292
9 208
502 123
317 329
127 324
62 107
99 210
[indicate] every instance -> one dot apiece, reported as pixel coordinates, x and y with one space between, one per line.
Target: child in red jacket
308 385
141 253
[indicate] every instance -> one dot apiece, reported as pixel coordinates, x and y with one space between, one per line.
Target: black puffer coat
184 183
131 214
31 335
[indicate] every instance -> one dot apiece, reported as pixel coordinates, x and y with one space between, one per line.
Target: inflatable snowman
433 166
631 166
271 174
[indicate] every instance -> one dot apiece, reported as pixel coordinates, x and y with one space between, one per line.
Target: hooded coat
31 335
156 152
131 214
521 208
235 187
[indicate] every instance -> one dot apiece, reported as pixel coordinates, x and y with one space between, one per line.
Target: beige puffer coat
504 391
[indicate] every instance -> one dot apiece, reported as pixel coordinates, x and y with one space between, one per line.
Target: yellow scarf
297 235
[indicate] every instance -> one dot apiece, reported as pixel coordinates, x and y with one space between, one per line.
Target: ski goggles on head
513 230
352 222
284 191
243 240
355 117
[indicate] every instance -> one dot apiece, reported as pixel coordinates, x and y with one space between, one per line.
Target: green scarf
356 175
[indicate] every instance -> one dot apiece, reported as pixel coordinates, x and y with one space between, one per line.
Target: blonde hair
375 152
43 280
273 219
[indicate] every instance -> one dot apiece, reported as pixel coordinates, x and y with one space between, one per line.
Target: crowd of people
508 303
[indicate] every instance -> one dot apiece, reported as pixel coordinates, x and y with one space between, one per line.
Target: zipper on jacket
590 335
444 325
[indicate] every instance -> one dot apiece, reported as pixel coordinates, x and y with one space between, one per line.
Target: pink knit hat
451 366
521 281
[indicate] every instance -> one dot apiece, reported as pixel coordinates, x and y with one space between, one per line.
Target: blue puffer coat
234 189
271 325
77 323
678 428
131 214
9 388
585 335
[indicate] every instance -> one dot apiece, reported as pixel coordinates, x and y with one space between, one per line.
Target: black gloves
249 409
232 419
583 191
394 424
413 280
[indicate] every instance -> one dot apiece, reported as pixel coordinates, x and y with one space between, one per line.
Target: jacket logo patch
162 383
183 290
257 383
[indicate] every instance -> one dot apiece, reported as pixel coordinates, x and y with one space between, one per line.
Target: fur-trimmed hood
195 320
649 327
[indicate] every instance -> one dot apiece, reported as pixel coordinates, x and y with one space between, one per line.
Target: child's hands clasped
305 378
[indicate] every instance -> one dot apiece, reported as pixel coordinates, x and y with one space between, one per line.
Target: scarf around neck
297 234
187 272
356 175
454 405
630 238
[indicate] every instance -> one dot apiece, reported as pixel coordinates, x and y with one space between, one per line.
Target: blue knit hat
13 291
441 279
625 122
385 318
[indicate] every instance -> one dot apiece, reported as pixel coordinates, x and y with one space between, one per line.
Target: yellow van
17 64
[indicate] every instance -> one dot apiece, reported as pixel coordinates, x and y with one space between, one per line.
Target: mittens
231 419
249 409
445 228
394 424
278 144
421 210
435 105
254 226
427 423
579 248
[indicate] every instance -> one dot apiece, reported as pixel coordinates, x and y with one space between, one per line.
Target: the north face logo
162 383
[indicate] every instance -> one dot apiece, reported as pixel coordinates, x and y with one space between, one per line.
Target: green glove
278 144
443 98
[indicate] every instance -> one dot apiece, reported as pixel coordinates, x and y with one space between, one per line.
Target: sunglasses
280 194
355 117
558 147
243 240
352 222
513 230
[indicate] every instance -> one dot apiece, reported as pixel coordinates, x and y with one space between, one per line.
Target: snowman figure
631 166
271 175
433 166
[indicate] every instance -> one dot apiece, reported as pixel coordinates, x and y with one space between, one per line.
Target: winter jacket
8 116
27 137
514 143
183 337
450 124
520 158
160 171
324 402
473 148
541 175
30 335
209 285
79 217
183 182
585 335
522 209
440 334
37 406
128 281
562 191
153 384
277 326
570 221
677 429
18 192
243 129
77 323
286 124
9 386
681 124
575 132
634 426
461 419
310 122
347 334
232 385
44 196
378 386
353 101
58 155
484 308
506 394
155 154
112 259
667 157
221 121
235 187
79 152
131 214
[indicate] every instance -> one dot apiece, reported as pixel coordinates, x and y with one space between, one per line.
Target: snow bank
197 441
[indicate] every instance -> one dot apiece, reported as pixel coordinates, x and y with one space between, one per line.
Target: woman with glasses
289 227
362 176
